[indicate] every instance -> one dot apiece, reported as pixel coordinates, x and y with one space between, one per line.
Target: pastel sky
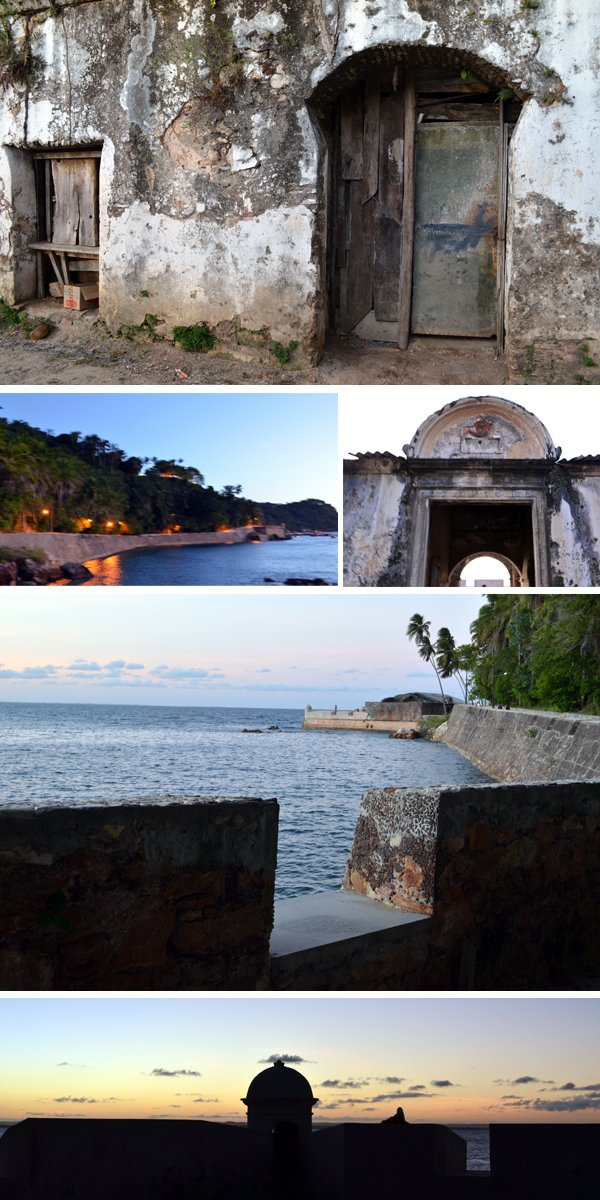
137 646
444 1060
279 447
387 418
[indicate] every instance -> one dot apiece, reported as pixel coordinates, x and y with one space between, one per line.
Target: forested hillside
69 482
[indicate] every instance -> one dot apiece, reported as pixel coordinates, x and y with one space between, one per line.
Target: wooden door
369 200
456 228
76 209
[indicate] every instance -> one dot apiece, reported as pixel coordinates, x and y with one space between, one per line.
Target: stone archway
418 150
515 575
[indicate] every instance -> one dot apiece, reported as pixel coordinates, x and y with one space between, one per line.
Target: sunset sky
115 645
447 1060
280 448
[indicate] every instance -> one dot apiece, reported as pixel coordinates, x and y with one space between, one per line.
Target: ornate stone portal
481 477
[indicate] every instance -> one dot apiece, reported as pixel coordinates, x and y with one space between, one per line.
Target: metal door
456 225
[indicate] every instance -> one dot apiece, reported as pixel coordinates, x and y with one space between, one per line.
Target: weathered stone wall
510 873
215 162
84 547
386 526
519 745
375 518
358 719
155 893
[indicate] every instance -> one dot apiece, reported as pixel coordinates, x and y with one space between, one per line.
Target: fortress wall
148 894
510 873
131 1160
84 547
520 745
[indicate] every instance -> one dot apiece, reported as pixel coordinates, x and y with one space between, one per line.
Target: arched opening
418 148
485 570
461 532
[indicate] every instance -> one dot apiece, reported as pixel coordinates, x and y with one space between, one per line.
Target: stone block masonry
516 745
156 893
510 874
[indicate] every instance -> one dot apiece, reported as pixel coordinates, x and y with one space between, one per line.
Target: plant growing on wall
17 60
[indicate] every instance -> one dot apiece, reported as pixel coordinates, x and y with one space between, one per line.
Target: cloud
343 1083
443 1083
285 1058
81 664
134 666
42 672
164 1073
68 1064
264 670
575 1104
400 1096
165 672
73 1100
573 1087
390 1079
522 1079
207 1100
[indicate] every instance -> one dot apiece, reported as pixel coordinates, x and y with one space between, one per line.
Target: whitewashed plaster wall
373 516
213 174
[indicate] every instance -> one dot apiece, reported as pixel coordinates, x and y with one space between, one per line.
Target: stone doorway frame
472 493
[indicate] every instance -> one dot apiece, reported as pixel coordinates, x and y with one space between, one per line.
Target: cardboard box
80 296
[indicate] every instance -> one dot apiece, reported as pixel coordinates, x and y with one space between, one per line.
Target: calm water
234 565
70 752
477 1138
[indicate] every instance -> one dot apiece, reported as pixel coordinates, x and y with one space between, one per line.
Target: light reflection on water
67 752
228 563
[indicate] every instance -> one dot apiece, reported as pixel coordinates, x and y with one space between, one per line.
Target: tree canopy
69 482
530 651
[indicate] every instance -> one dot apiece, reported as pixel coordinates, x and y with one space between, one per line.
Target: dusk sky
392 415
128 646
279 447
455 1061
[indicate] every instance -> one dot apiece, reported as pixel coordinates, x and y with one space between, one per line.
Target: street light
47 512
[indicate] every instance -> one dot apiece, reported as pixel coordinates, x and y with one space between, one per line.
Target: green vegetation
301 514
18 63
19 556
70 483
538 652
283 353
526 652
195 338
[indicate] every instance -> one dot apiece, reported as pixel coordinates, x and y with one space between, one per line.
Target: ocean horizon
69 753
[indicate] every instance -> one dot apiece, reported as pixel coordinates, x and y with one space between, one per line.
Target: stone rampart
518 745
355 718
510 874
151 893
85 547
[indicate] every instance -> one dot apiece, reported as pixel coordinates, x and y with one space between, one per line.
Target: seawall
519 745
85 547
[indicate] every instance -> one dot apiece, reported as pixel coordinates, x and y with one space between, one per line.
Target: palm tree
418 632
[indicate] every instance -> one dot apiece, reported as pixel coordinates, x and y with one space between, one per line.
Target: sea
237 564
68 753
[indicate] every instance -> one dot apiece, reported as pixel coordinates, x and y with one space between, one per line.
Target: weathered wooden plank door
456 226
75 216
368 207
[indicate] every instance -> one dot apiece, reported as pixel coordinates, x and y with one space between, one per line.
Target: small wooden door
75 207
456 227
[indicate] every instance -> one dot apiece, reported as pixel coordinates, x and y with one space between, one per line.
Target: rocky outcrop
20 570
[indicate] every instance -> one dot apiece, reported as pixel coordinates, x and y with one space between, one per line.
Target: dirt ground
79 351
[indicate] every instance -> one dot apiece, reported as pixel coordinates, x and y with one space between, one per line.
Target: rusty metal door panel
456 219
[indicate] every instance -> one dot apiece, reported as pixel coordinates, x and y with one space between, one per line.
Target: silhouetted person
397 1119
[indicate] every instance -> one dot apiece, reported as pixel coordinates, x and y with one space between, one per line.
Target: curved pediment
482 427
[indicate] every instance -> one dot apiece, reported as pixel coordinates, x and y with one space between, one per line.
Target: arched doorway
460 532
418 142
485 570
